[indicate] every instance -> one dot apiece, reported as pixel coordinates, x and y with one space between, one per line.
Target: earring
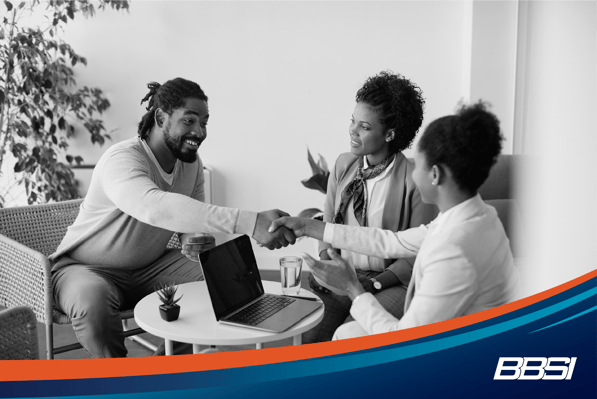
433 183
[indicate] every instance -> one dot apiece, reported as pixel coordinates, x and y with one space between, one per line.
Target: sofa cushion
502 178
509 213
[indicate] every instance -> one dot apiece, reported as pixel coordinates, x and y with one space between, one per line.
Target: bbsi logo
538 370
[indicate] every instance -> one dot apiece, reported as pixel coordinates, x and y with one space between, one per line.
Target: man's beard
174 147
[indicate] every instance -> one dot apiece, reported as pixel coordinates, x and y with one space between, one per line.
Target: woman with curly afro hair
464 262
372 186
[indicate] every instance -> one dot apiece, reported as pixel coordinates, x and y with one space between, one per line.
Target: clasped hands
275 229
194 244
272 239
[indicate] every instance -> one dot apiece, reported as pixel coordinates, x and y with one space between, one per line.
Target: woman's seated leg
392 299
336 309
349 330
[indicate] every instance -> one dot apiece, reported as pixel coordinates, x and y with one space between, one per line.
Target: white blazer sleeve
447 286
377 242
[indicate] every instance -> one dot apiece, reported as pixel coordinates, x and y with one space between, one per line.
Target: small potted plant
169 310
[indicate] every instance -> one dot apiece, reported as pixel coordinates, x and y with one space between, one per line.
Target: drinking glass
290 274
198 235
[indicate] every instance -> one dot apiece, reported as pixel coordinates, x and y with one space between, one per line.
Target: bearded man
142 191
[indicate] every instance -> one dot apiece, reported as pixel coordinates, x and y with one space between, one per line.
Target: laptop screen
231 274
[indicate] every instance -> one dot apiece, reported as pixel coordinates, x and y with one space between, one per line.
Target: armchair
28 235
18 334
500 191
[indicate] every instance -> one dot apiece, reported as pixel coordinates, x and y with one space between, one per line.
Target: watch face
377 285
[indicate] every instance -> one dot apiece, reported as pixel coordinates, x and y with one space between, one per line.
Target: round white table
197 323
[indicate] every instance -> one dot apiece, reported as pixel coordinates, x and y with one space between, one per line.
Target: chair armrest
25 279
18 334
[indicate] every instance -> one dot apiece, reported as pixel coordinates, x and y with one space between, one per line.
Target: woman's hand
314 285
367 284
337 273
300 226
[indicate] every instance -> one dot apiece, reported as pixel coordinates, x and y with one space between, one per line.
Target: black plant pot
169 313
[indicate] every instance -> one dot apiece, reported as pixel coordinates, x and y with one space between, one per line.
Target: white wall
558 105
493 61
280 76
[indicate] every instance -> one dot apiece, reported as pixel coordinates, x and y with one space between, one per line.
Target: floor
64 334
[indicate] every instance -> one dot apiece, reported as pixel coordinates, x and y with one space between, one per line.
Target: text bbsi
522 366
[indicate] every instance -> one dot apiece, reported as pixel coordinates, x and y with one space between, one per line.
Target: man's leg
92 301
172 267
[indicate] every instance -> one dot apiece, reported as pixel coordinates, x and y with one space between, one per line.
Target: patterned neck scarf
356 189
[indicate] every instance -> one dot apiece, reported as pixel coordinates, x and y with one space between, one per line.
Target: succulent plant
166 292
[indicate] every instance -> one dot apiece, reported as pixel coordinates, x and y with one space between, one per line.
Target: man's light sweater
131 211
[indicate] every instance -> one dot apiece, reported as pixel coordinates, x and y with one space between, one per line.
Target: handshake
276 229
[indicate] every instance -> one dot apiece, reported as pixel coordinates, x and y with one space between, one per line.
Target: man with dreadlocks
142 190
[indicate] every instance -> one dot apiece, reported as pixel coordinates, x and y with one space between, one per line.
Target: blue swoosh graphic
568 319
326 365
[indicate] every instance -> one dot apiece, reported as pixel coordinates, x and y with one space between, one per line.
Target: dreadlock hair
169 96
468 143
399 104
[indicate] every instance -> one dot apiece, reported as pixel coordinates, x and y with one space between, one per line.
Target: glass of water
290 274
197 235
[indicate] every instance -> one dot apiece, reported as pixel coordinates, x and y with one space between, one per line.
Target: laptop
237 294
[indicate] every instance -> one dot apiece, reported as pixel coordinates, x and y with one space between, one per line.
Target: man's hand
337 273
274 239
194 244
300 226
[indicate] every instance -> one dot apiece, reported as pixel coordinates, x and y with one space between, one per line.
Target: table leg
297 339
259 345
168 345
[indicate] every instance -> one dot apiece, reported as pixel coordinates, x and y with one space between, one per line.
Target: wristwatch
376 284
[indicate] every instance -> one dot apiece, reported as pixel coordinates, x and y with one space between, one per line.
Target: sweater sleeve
199 190
126 182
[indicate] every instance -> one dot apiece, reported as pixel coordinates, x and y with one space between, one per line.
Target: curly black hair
468 143
399 104
169 96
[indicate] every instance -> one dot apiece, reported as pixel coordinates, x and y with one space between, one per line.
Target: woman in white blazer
464 263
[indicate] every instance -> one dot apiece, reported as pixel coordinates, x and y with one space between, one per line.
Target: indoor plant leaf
317 182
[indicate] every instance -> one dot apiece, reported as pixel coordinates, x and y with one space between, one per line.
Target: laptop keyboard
261 310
